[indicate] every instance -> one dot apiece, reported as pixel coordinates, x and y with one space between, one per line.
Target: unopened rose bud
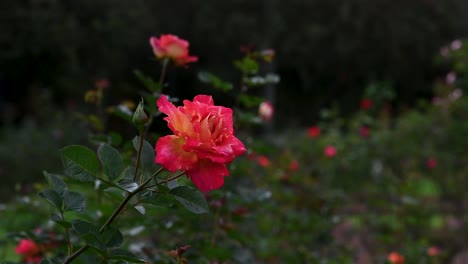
140 117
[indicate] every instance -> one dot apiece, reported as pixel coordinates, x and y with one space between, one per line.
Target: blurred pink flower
330 151
266 110
450 78
456 44
172 47
431 163
313 131
433 251
444 51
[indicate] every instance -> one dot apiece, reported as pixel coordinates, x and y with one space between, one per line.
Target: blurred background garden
363 159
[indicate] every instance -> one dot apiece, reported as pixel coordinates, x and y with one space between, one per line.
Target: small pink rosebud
330 151
313 131
266 110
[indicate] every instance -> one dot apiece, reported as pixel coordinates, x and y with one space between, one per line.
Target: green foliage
80 162
190 198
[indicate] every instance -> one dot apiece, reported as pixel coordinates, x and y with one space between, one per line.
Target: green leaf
214 80
158 199
140 209
89 233
121 254
111 161
74 201
111 237
53 197
46 261
127 185
250 100
147 153
83 227
148 82
55 183
60 221
190 198
247 65
80 162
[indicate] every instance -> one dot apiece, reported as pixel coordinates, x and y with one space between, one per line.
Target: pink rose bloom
172 47
330 151
313 131
203 141
266 110
431 163
27 248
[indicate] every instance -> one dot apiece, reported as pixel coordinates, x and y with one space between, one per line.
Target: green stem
67 237
168 179
140 147
163 73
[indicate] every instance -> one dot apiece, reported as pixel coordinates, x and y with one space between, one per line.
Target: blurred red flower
294 165
29 250
431 163
364 131
263 161
396 258
313 131
366 103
